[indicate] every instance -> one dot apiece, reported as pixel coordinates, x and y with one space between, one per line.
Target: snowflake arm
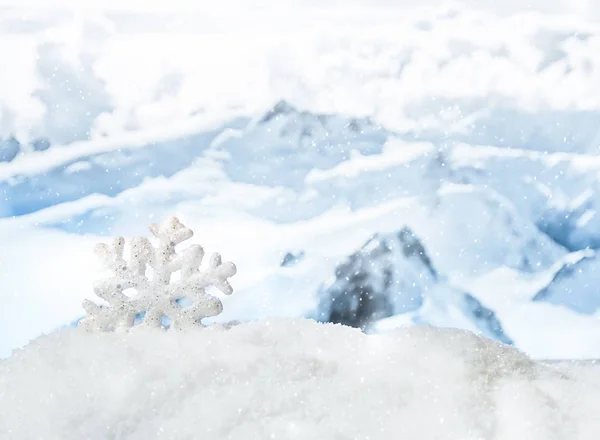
157 297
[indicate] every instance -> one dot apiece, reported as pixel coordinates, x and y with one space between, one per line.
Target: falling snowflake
133 295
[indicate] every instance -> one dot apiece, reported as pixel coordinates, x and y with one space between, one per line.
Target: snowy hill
294 380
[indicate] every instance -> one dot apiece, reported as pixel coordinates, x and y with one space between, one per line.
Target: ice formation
157 300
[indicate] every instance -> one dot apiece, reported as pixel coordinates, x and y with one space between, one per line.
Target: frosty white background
380 164
115 115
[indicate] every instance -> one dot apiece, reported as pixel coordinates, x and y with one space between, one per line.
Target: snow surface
293 379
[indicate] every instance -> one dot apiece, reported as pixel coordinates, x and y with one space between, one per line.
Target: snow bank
291 380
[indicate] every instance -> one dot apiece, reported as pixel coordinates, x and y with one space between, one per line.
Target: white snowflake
156 296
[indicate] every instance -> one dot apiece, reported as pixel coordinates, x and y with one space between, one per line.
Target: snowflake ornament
156 297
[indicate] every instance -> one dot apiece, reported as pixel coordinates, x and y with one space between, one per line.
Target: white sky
580 7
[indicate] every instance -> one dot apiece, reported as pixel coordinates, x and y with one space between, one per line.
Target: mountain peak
412 247
306 124
386 276
391 280
281 108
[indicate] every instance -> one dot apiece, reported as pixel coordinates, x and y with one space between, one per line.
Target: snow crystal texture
157 297
291 380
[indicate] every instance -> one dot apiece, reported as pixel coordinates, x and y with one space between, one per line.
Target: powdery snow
291 380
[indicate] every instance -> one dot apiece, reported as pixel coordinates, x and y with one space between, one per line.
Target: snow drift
293 380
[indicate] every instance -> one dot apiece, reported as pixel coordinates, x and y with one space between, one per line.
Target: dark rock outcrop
393 275
385 277
9 149
291 259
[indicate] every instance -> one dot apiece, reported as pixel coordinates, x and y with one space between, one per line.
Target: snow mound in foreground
291 380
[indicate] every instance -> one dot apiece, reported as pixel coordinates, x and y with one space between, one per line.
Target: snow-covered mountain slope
468 226
575 284
392 276
542 329
388 275
285 144
291 379
559 191
66 173
472 128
